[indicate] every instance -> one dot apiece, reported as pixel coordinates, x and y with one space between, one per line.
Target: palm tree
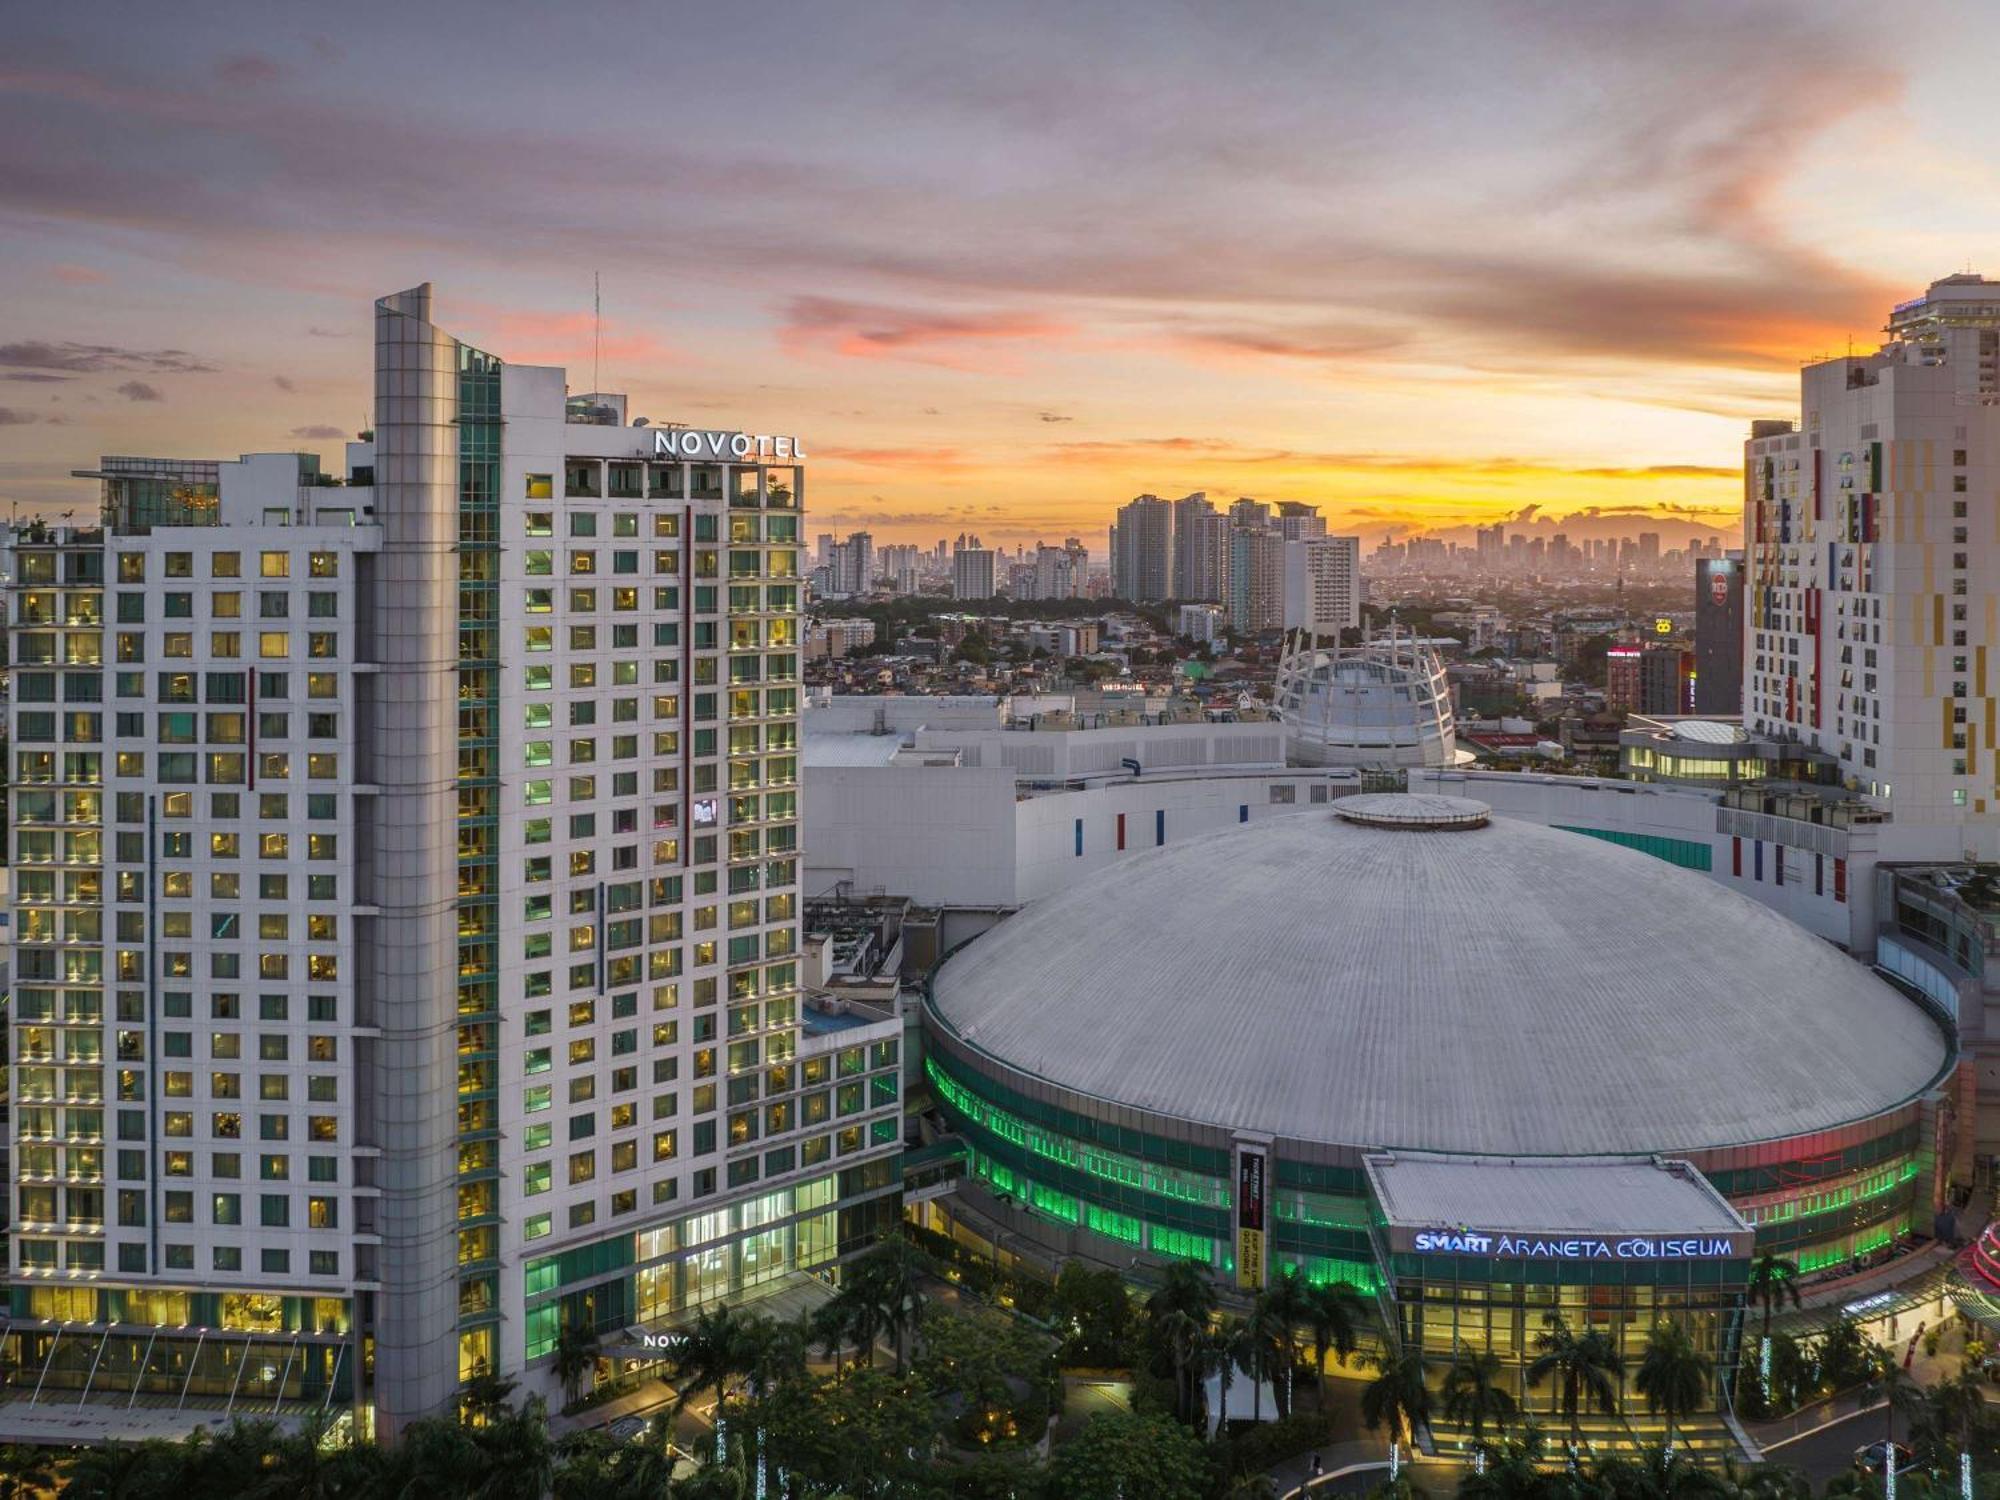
1509 1477
1334 1315
827 1327
122 1471
1586 1372
1899 1391
1216 1355
1773 1282
850 1317
518 1456
576 1357
772 1351
1179 1313
712 1350
1182 1338
1673 1375
1473 1396
1285 1304
304 1466
1264 1345
1656 1474
485 1396
25 1472
1958 1411
1398 1397
1764 1481
891 1277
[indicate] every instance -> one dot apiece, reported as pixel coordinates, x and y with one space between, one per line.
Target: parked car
1869 1459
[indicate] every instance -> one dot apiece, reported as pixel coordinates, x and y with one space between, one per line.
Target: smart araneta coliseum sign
696 443
1572 1247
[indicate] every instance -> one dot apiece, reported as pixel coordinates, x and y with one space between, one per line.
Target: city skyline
1001 274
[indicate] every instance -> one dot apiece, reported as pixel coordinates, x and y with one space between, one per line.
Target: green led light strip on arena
1110 1166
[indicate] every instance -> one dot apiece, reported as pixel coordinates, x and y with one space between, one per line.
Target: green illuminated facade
1171 1199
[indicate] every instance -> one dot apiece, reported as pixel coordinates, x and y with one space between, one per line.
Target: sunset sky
1002 265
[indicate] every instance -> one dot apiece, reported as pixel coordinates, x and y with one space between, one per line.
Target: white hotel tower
404 923
1873 546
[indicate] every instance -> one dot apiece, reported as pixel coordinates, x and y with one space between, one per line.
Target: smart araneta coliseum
1483 1070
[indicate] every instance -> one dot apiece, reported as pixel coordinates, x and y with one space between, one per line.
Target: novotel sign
689 442
1548 1246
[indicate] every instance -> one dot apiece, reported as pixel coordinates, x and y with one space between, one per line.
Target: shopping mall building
1481 1069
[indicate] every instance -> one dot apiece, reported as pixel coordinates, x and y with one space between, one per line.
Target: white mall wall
959 836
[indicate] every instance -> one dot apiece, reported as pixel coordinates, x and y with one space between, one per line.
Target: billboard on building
1253 1161
1718 635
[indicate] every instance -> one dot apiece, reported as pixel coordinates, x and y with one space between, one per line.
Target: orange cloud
862 330
935 459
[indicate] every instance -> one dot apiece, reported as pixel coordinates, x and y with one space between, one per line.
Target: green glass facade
1171 1198
1150 1193
1686 853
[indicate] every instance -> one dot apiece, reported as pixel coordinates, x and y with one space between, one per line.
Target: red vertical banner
1812 626
1252 1164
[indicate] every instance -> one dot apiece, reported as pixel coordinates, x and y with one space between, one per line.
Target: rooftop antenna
596 329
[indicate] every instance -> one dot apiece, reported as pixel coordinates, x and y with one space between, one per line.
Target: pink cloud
863 330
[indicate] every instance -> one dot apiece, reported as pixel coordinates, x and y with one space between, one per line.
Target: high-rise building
901 566
1142 550
851 565
1054 573
1256 572
1194 562
1201 622
1204 553
1718 635
972 574
405 927
1299 522
1665 678
1870 551
1623 675
1322 584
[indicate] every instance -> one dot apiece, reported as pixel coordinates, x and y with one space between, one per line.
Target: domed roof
1500 988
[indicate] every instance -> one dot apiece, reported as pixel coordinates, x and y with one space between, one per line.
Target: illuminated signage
689 442
1662 625
664 1340
1571 1247
1251 1167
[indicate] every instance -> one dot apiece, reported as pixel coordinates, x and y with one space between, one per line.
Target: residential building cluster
1269 567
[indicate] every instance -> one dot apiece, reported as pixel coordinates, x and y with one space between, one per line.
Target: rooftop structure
1599 1196
1381 705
